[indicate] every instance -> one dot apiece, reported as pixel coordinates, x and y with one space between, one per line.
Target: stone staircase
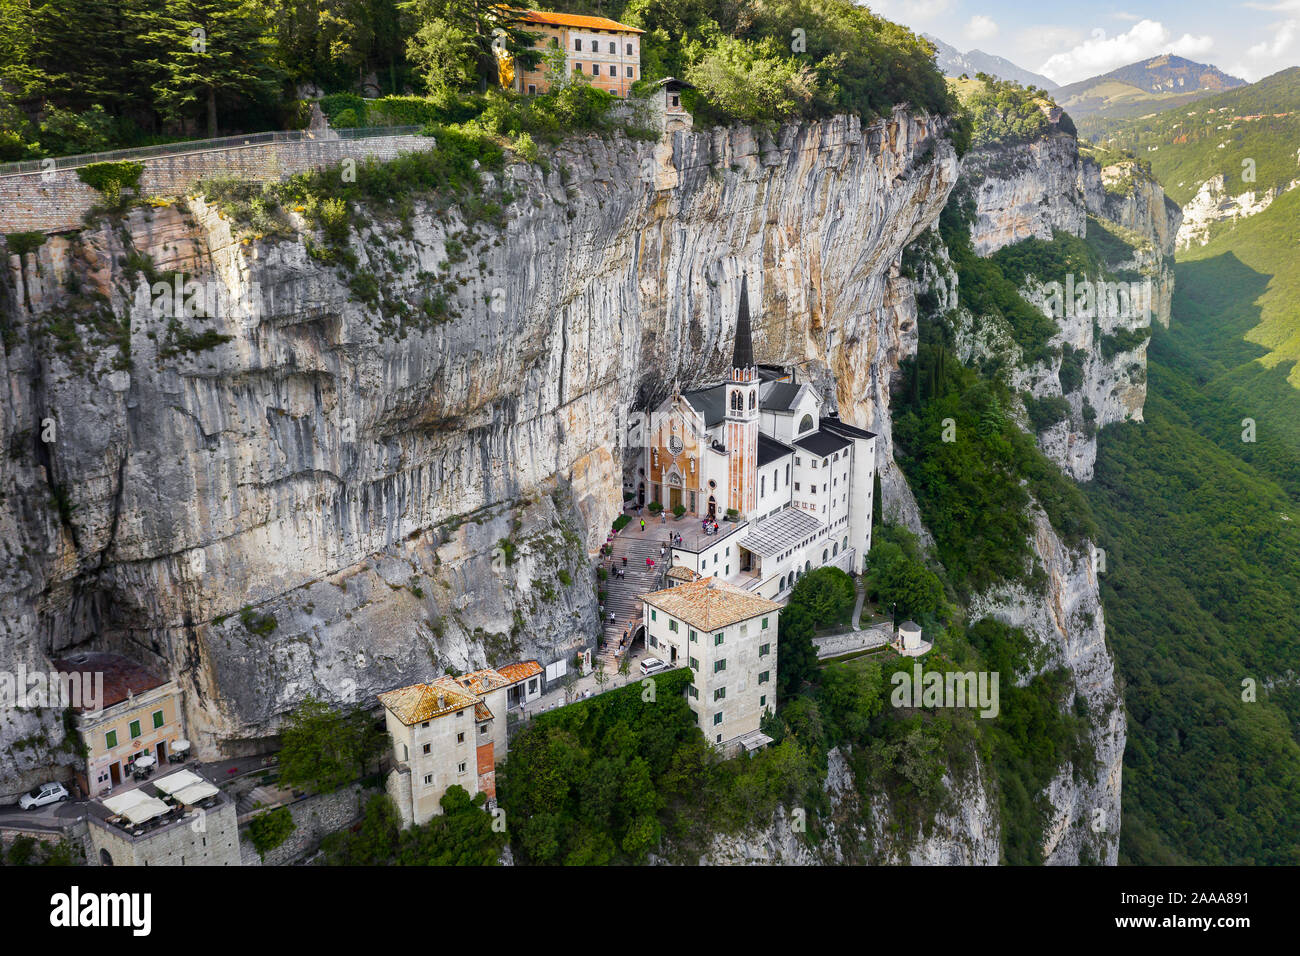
622 596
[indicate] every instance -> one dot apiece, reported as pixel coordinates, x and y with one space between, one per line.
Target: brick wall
57 200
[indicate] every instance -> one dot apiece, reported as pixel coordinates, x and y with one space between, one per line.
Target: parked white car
652 665
45 794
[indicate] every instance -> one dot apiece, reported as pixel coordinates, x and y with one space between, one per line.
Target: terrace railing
140 153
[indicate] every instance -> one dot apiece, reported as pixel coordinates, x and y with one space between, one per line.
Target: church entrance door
713 507
674 498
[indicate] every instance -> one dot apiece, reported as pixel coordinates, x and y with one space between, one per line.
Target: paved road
57 815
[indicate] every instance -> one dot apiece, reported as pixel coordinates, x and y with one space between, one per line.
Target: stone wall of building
206 838
57 200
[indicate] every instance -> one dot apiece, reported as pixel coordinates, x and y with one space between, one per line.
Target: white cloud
1130 17
1035 40
911 12
981 28
1101 53
1270 55
1283 36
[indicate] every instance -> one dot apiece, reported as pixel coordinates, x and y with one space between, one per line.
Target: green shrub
1071 374
679 510
347 119
263 625
21 243
1004 113
65 132
337 103
1046 412
655 507
111 179
621 522
269 830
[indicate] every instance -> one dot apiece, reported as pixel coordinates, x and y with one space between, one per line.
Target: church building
790 488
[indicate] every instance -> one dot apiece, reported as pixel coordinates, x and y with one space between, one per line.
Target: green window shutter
135 729
110 740
157 718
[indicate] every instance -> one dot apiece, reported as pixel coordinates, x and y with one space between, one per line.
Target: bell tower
742 414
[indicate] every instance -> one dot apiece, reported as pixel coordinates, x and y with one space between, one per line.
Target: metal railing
28 166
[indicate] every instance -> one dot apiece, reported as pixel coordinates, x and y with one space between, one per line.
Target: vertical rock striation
303 493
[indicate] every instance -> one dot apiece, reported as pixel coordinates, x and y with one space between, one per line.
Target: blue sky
1068 41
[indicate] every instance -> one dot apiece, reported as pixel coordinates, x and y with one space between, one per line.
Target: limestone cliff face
1136 205
1050 187
309 493
1106 384
1023 192
304 493
964 832
1067 622
1216 203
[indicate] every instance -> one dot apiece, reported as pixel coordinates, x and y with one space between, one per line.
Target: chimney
442 701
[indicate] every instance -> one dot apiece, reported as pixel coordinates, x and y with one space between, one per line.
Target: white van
652 665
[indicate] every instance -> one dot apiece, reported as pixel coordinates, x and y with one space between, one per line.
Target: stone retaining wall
833 645
313 818
56 200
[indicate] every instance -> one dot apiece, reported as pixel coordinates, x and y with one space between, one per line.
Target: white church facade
790 488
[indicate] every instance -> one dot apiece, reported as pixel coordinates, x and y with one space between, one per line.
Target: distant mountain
1191 145
954 63
1143 87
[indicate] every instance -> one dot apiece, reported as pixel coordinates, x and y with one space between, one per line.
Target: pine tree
211 48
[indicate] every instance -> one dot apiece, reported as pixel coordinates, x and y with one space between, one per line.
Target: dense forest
88 76
1200 519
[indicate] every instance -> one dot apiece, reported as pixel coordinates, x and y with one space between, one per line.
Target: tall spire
743 356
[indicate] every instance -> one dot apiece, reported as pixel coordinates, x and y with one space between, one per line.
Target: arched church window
753 399
805 424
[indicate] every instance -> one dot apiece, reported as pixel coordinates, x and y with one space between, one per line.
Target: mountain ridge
953 62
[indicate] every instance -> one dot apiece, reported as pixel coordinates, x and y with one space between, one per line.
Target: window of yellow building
158 717
135 729
110 740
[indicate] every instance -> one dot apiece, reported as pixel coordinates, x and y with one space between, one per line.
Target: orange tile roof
575 20
520 670
419 702
680 572
709 604
481 682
